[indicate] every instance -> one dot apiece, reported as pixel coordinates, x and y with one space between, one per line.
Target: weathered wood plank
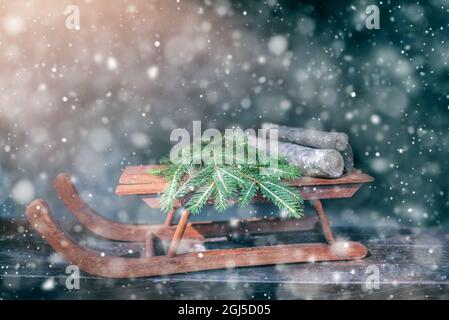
308 193
137 180
140 175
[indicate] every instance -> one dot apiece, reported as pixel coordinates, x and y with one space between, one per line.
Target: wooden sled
183 235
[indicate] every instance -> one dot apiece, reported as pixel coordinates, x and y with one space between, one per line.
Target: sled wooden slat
199 230
308 193
137 180
140 175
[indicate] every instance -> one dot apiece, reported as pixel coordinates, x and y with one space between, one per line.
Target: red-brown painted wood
91 261
149 244
324 222
137 180
179 233
195 231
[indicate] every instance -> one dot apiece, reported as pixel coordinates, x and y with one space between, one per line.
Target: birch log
310 138
348 158
324 163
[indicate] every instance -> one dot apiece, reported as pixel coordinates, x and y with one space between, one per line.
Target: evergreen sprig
225 184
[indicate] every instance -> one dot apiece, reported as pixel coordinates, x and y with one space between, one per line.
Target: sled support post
149 244
324 222
179 233
170 217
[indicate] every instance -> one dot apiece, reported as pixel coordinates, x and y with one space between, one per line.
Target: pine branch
168 196
241 180
248 192
200 198
281 171
282 197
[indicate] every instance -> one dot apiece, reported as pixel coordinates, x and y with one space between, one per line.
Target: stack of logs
316 153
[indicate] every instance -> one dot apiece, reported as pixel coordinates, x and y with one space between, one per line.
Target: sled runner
170 247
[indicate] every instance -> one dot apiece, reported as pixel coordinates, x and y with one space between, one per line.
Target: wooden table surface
412 263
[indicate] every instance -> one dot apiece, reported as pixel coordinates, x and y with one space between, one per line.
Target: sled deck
172 247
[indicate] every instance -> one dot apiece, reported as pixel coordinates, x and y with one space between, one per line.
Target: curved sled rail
197 231
105 227
88 260
93 262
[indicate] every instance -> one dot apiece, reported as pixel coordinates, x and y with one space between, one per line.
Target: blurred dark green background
94 100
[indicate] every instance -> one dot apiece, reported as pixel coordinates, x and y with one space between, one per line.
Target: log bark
348 158
324 163
310 138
